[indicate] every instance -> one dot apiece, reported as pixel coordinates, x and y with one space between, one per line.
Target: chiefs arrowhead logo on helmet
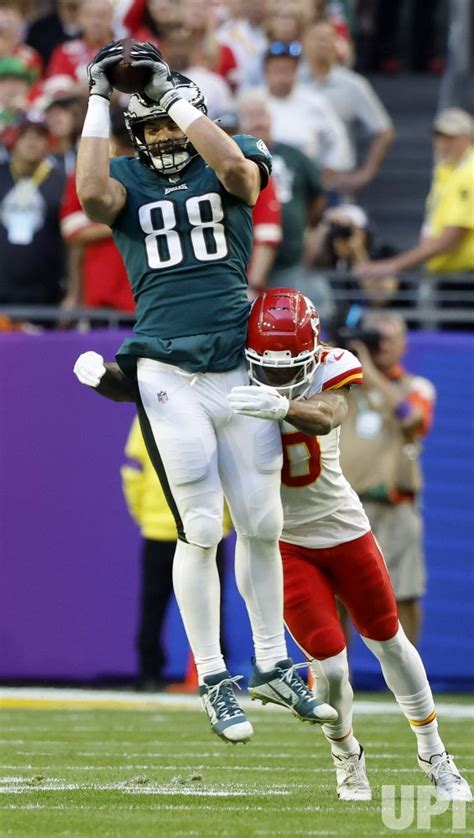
283 341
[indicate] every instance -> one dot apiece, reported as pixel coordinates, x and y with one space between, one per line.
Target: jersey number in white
163 244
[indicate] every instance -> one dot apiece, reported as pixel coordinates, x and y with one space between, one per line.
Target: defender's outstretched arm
105 378
316 416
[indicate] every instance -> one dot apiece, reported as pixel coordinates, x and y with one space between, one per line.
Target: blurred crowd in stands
284 70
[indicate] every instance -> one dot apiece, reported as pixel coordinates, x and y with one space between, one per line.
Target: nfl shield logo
162 396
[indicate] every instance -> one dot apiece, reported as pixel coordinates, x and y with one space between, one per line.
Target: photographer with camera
342 241
380 449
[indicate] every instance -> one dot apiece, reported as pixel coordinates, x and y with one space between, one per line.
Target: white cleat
352 782
448 782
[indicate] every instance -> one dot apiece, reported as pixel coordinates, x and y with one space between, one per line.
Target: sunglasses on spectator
293 49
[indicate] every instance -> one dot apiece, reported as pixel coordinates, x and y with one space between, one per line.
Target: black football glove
161 87
97 70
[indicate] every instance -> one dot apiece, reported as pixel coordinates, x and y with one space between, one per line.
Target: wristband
402 410
97 121
182 112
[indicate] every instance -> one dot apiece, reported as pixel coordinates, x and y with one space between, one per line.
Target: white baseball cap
454 122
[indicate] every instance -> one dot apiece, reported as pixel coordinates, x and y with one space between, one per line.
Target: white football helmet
165 156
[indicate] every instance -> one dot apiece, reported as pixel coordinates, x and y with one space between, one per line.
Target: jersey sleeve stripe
71 224
270 233
354 376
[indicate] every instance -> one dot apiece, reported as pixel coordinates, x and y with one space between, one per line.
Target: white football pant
203 451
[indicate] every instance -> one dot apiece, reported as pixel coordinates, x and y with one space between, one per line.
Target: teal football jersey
186 243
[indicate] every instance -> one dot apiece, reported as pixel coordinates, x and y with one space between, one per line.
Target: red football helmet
283 341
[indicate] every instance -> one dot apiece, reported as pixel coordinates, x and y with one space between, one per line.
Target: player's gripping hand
261 402
89 368
96 71
161 86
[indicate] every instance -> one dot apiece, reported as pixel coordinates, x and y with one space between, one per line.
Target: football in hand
123 76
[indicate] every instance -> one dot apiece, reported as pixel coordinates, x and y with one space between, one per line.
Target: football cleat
226 717
284 686
444 775
352 782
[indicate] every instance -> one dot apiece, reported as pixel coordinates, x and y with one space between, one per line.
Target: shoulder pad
340 368
256 150
119 166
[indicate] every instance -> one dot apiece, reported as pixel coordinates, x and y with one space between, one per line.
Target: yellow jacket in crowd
450 203
142 489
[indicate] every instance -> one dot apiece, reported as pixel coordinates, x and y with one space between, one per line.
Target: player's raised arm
238 175
101 196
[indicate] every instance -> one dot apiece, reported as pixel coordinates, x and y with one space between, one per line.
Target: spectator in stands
340 14
286 22
31 249
300 192
267 238
244 33
52 29
266 217
97 275
447 238
301 117
380 449
198 18
72 57
11 45
149 509
61 105
354 101
149 20
193 54
15 83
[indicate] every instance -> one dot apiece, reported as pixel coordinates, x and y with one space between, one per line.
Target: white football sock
345 747
405 676
333 686
259 577
197 590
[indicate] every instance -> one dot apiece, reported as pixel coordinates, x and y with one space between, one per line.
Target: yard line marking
21 785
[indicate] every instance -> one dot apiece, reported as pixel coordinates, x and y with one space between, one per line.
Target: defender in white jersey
327 546
325 510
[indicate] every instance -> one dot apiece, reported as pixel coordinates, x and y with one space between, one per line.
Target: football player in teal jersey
180 212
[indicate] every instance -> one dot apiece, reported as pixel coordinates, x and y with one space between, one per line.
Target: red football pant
356 573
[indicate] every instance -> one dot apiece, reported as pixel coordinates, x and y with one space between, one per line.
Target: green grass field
160 772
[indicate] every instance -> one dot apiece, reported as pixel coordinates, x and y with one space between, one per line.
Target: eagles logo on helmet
165 156
283 338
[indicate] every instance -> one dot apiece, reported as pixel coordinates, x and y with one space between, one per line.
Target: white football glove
89 368
261 402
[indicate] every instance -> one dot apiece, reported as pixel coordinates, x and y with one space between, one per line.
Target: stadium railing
427 302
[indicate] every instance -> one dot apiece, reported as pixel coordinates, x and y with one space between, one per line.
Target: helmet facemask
272 369
283 349
164 156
